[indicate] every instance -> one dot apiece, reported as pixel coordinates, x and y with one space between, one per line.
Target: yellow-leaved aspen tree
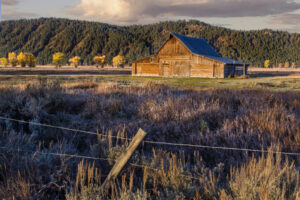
30 60
59 59
267 63
75 61
22 59
119 61
99 61
3 62
12 59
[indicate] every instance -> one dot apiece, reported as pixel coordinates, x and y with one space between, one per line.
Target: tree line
23 59
46 36
58 59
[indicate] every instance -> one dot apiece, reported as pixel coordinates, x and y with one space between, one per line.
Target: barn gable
173 47
197 46
200 47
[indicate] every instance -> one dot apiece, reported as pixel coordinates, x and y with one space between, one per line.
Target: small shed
183 56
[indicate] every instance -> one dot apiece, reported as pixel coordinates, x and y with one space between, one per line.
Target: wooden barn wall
147 69
206 68
137 67
175 59
134 69
175 68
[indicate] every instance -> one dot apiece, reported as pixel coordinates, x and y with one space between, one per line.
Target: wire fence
87 158
118 137
154 142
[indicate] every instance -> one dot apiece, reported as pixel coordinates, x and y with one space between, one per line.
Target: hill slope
44 36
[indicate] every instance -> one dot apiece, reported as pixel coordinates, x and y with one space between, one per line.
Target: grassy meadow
277 83
252 113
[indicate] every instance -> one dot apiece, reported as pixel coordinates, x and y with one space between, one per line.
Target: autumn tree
3 62
99 60
267 63
286 64
59 59
30 60
75 61
119 61
22 59
12 59
293 65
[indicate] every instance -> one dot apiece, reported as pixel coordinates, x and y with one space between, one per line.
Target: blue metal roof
226 60
200 47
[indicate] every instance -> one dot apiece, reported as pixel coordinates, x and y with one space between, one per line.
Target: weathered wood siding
148 69
175 59
206 68
147 66
173 47
166 69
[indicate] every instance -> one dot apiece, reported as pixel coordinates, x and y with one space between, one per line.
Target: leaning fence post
123 159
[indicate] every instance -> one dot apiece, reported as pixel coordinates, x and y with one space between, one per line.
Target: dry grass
256 119
266 178
260 69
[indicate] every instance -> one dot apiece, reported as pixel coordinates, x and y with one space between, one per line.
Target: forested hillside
43 37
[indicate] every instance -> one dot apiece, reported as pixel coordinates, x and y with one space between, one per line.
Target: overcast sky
235 14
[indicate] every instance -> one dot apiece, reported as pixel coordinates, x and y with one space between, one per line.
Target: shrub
266 178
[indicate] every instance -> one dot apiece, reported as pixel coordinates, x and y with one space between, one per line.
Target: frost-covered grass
250 118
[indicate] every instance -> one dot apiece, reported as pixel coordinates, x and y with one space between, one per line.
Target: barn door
217 71
181 69
166 69
139 68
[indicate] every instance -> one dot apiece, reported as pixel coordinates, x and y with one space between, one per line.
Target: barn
183 56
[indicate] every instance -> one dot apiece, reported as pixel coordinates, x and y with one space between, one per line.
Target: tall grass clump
269 177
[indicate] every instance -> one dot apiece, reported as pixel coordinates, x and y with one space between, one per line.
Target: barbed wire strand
87 157
155 142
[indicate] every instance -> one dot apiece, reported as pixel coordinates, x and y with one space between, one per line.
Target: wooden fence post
123 159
